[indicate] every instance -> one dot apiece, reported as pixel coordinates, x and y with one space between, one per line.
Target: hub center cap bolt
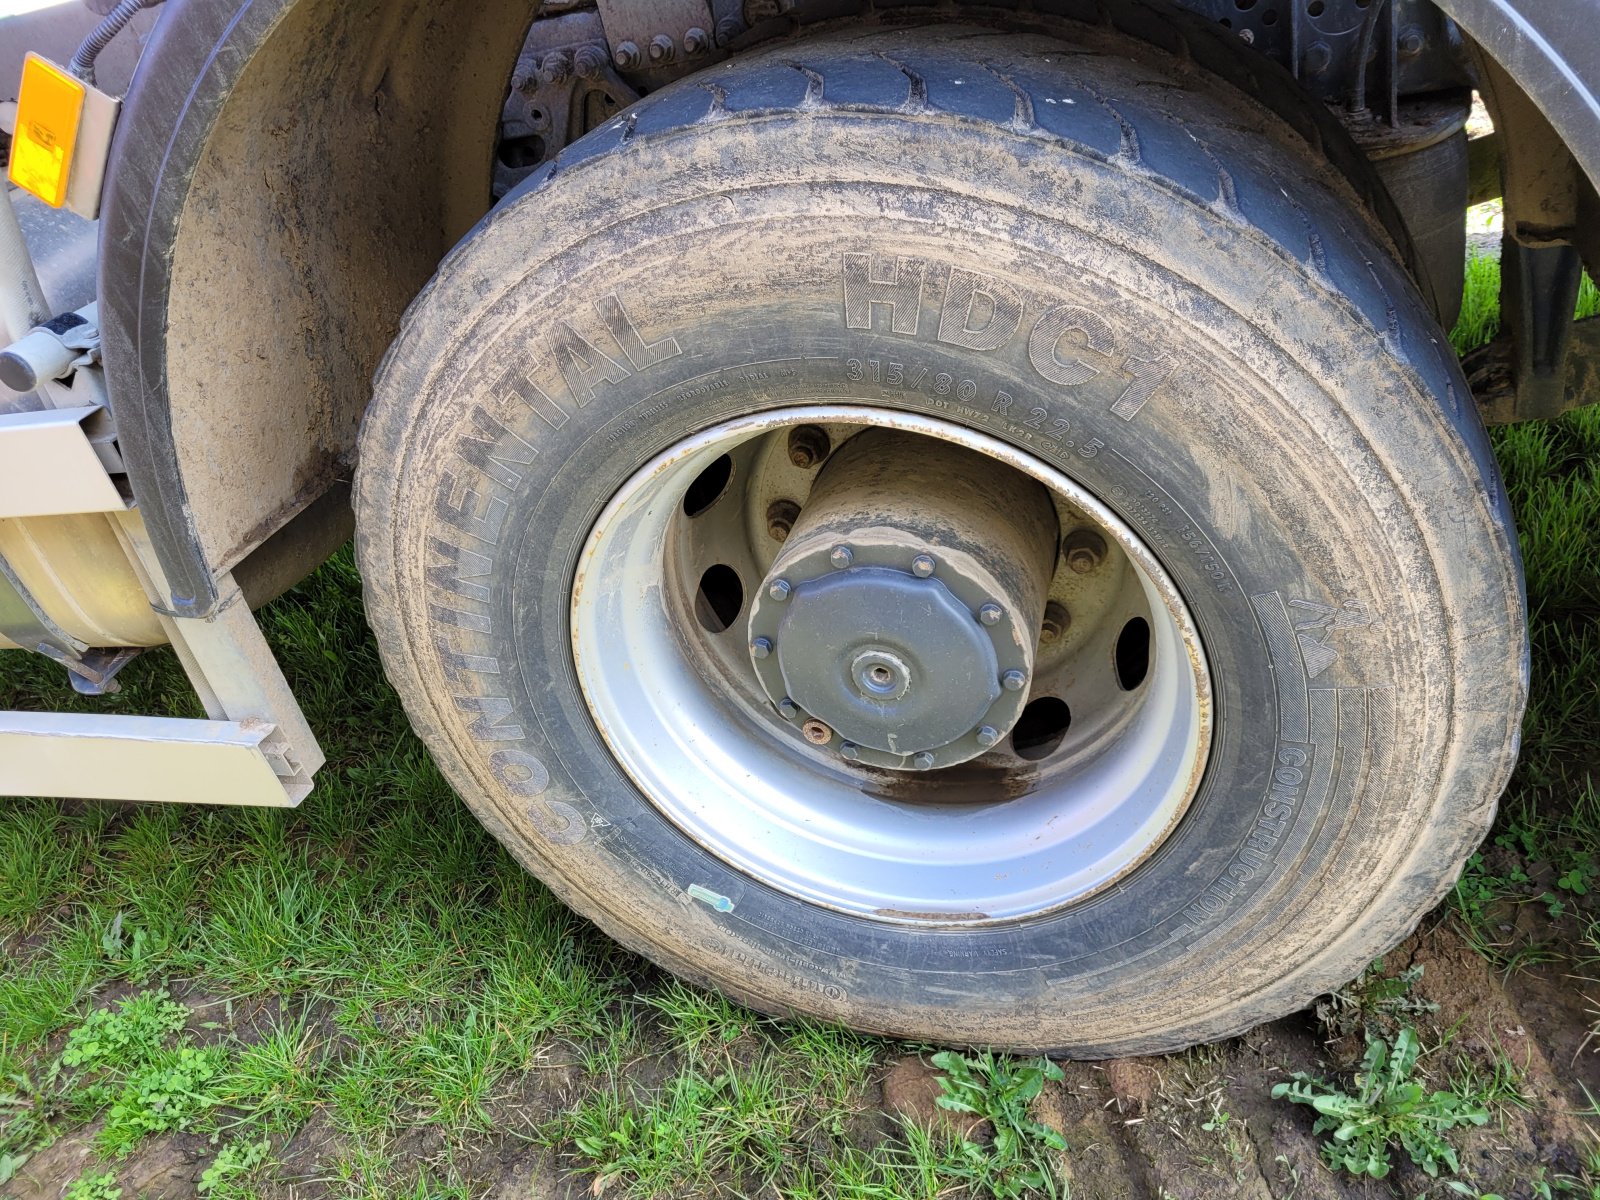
761 647
841 557
990 613
988 736
779 590
922 566
880 675
1013 681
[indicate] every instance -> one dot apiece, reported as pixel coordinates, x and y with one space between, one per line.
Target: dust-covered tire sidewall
1357 746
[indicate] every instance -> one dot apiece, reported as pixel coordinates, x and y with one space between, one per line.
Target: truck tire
965 533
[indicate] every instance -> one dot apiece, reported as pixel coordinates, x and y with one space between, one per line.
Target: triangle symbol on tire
1318 658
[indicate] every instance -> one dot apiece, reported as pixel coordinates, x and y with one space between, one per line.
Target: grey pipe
22 302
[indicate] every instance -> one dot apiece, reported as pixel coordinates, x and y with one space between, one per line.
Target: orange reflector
49 109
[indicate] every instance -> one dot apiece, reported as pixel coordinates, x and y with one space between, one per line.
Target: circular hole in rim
519 153
1270 17
708 487
719 598
1040 728
1316 8
1133 654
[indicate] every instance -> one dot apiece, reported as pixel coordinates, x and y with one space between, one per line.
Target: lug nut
781 516
816 732
588 61
922 761
727 29
761 647
1084 550
627 56
787 709
988 735
849 750
922 566
990 613
779 590
662 50
1056 621
840 557
696 41
555 67
808 446
1013 681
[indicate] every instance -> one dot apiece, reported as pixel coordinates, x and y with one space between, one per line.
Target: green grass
372 969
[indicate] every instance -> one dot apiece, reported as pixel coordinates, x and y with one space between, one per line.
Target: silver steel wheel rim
1003 839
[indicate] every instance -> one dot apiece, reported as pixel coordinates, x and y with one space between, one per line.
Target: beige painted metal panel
48 466
141 758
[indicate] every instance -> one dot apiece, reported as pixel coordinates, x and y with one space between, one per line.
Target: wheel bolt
1013 681
922 566
779 589
1056 621
555 68
589 61
781 516
808 446
988 735
727 29
627 56
787 709
850 751
990 613
922 761
841 557
816 732
662 49
1084 550
696 41
761 647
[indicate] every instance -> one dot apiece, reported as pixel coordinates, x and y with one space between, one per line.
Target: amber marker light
49 110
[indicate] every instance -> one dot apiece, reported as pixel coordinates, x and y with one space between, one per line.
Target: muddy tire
1105 275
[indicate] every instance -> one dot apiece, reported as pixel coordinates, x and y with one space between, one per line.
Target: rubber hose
82 64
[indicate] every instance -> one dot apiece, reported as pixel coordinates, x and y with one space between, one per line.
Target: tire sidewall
1302 745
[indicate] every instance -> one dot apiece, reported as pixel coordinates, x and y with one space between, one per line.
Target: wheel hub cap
903 610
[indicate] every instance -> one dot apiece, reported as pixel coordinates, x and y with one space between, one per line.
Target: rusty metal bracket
562 87
655 34
1491 371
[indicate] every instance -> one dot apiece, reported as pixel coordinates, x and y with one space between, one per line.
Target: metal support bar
228 660
143 758
1538 292
49 466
